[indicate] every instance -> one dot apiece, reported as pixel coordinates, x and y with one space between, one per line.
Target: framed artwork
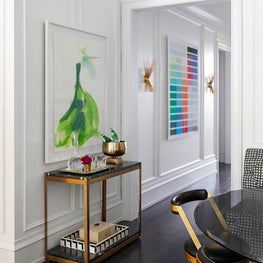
75 86
183 89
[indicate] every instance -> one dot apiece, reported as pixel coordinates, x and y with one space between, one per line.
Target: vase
87 167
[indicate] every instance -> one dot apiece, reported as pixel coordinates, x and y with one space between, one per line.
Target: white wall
171 165
23 108
246 96
224 107
252 69
22 209
7 91
146 45
174 153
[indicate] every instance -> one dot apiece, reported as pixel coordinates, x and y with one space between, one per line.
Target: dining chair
252 178
195 242
253 168
202 256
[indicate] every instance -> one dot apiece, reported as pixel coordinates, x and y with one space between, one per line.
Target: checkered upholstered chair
251 230
253 168
252 178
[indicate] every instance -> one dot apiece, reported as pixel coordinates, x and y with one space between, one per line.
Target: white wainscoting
7 72
157 189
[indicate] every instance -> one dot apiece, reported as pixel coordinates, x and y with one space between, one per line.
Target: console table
68 255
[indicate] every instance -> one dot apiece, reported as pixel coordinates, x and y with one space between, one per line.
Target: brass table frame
85 181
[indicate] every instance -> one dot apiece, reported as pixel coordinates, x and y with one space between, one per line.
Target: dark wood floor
163 233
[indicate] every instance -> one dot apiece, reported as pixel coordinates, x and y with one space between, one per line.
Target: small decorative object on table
86 160
114 147
98 231
75 239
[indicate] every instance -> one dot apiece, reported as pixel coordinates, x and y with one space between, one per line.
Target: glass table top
234 220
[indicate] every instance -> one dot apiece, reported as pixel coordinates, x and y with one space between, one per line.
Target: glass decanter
74 163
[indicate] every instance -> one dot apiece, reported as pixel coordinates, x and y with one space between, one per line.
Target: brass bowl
114 148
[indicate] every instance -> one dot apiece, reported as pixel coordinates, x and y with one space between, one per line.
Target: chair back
176 207
189 196
253 168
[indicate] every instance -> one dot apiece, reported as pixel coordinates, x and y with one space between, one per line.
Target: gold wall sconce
210 84
149 67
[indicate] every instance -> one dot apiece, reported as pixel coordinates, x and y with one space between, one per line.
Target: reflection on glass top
64 173
235 220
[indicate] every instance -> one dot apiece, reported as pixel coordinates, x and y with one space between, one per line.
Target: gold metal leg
104 196
86 220
139 198
45 216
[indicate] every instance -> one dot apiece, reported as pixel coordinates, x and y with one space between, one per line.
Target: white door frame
129 127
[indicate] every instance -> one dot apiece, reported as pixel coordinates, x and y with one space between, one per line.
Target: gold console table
68 255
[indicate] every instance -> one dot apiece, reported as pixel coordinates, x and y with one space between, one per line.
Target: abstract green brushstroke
86 62
81 118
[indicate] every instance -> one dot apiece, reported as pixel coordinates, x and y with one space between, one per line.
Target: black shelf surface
112 168
78 255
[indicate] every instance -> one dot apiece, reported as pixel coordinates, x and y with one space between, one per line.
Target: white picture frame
64 48
183 68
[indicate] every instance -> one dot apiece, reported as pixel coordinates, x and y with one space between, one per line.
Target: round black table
234 220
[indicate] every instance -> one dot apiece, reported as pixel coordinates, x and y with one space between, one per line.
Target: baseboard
176 180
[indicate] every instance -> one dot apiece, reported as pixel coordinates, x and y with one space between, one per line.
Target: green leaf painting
82 116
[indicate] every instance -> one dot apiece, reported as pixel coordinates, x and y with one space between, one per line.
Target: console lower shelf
78 255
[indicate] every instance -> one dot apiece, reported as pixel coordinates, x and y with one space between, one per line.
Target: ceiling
210 12
214 13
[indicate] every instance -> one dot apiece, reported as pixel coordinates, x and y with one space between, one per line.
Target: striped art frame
183 89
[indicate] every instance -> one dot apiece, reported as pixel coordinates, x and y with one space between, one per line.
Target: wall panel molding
256 73
2 85
237 19
76 13
176 180
7 120
248 78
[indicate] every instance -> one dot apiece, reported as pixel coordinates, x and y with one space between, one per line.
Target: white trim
236 93
157 105
22 108
141 4
255 84
2 85
216 97
248 126
201 95
76 14
223 42
184 16
7 120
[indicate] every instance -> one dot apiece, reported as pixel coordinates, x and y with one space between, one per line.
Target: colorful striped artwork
183 89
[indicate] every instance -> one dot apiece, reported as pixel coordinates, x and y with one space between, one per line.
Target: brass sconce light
210 84
149 67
